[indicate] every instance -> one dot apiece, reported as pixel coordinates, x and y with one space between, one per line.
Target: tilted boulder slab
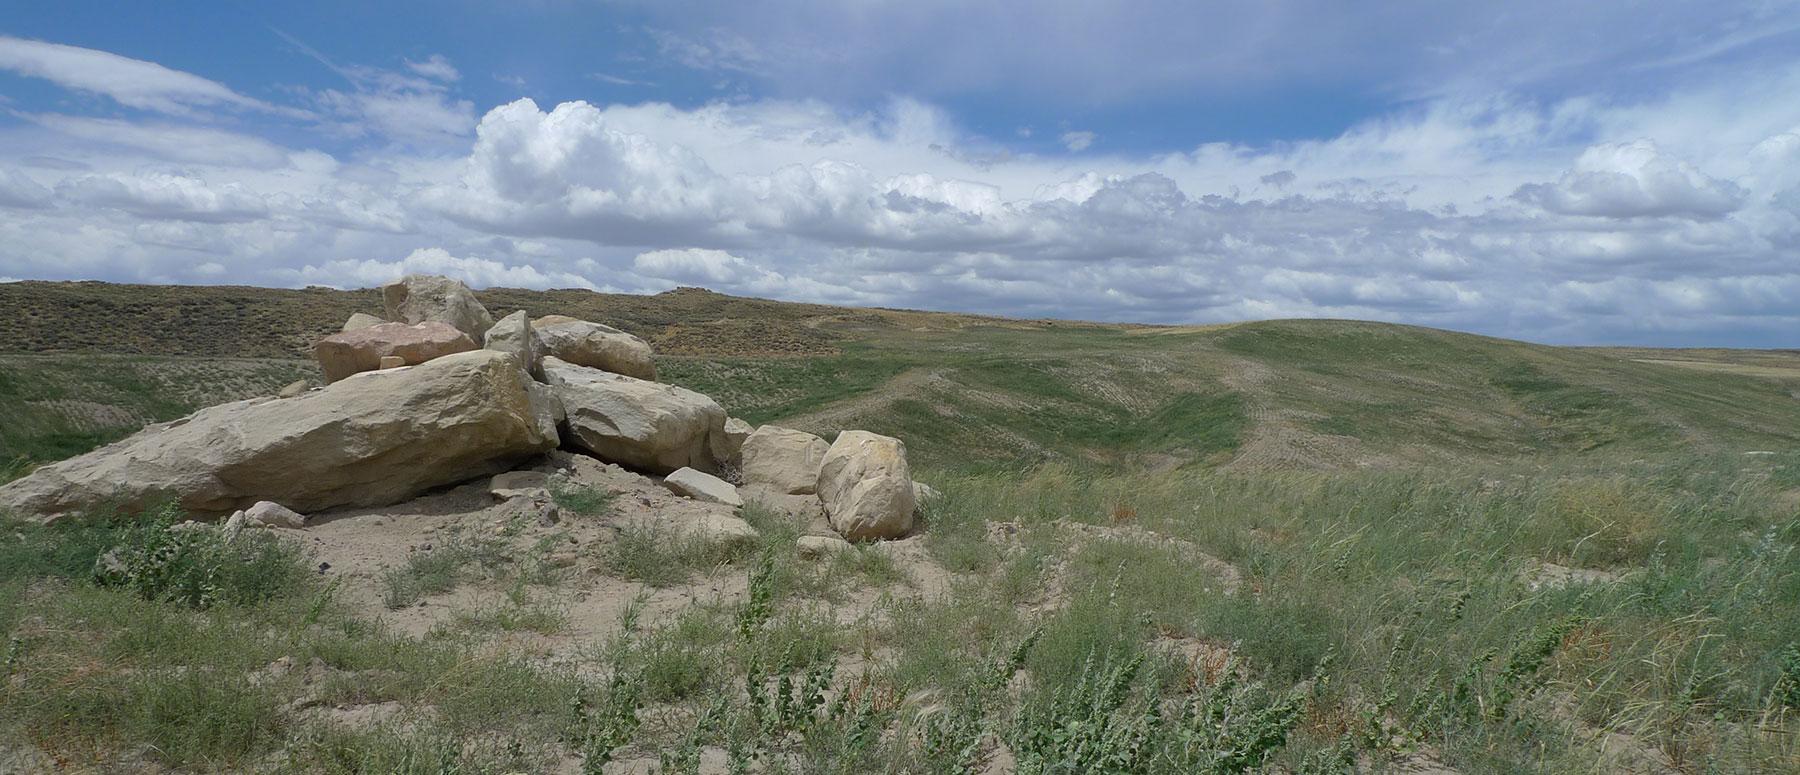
373 439
513 334
782 459
867 487
633 422
515 483
422 298
361 320
353 352
703 487
595 346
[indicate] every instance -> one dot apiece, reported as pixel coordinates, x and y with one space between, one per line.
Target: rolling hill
93 361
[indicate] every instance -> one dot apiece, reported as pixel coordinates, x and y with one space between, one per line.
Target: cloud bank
1674 218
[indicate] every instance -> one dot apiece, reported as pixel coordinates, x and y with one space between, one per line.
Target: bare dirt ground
360 546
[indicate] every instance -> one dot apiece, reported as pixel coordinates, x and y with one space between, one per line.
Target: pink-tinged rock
351 352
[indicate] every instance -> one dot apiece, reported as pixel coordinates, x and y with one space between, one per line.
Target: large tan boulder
372 439
867 487
782 459
634 422
351 352
513 334
595 346
419 298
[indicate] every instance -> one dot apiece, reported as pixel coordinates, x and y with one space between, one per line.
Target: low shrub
200 565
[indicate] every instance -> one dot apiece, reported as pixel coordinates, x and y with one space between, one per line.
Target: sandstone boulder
594 346
513 334
361 320
295 388
633 422
433 299
702 487
867 487
782 459
730 447
272 514
369 440
352 352
546 408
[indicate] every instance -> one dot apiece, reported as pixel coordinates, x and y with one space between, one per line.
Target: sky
1571 173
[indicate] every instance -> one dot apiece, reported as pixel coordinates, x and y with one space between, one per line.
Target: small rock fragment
816 547
703 487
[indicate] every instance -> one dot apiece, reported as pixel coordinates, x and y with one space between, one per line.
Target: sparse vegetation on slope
60 406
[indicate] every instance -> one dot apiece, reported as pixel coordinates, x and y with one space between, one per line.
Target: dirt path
840 414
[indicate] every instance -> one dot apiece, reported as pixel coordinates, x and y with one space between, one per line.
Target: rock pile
411 403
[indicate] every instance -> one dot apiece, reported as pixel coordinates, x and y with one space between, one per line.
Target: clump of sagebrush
661 557
438 568
199 565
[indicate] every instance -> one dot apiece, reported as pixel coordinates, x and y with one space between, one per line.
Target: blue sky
1563 172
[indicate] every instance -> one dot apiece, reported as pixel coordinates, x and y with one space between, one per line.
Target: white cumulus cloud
477 272
1633 179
